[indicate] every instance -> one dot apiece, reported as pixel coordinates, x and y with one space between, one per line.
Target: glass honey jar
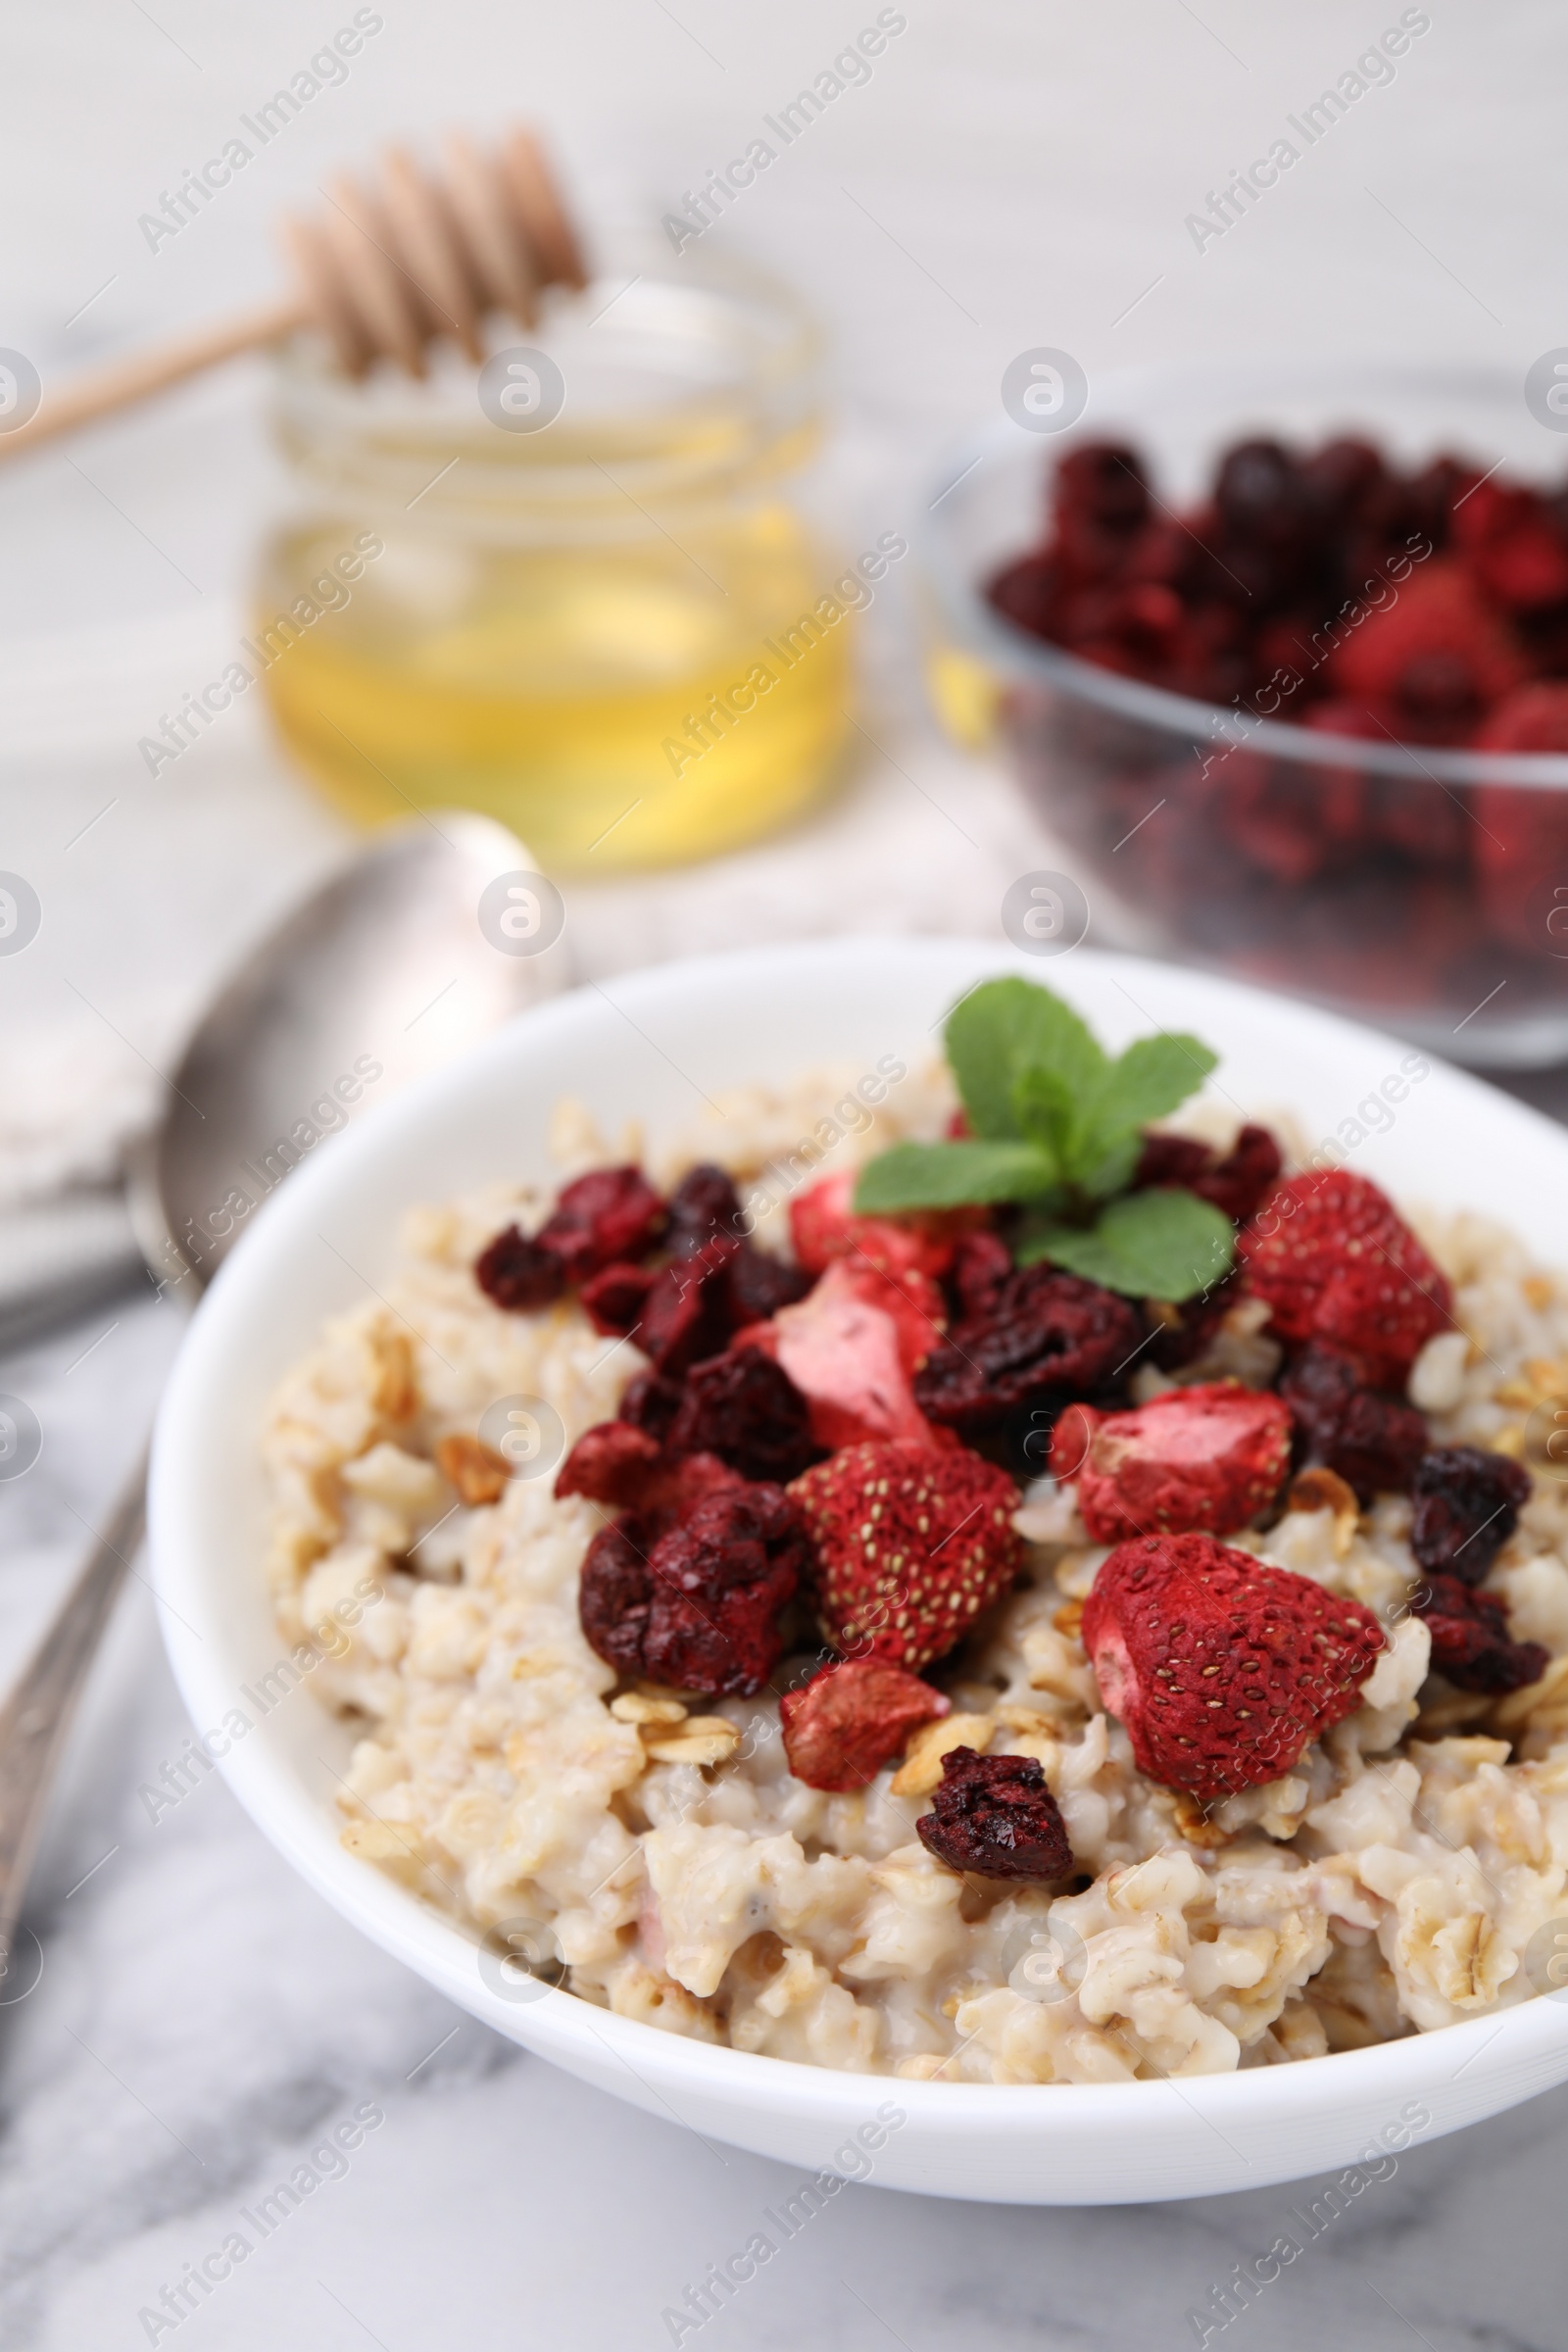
581 590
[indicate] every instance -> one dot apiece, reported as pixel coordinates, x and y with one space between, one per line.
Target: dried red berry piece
1333 1260
1235 1183
651 1402
613 1299
912 1544
1471 1645
745 1409
760 1285
686 1315
848 1353
517 1273
1373 1440
846 1723
1185 1331
1049 1338
994 1816
702 1205
1223 1668
981 1264
700 1609
609 1215
1466 1505
1439 652
1211 1458
628 1469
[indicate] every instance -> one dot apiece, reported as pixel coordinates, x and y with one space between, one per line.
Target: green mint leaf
1147 1082
951 1175
1002 1028
1165 1244
1114 1173
1044 1107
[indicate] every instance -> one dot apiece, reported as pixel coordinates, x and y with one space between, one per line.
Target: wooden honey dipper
383 271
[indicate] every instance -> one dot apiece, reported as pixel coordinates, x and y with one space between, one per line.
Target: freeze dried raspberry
628 1469
1374 1441
612 1301
981 1264
1049 1336
609 1214
702 1205
912 1545
823 1226
1209 1458
1467 1504
845 1724
518 1274
1235 1184
994 1816
699 1610
1471 1645
845 1356
745 1409
1335 1262
1223 1668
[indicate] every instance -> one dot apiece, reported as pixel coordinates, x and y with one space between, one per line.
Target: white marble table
1011 176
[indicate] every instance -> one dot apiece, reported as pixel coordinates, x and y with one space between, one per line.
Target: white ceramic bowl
652 1045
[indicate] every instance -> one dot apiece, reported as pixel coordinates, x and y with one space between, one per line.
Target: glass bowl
1217 836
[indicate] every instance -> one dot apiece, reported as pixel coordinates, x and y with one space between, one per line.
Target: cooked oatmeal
501 1771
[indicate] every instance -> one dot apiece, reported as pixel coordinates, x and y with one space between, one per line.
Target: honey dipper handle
101 390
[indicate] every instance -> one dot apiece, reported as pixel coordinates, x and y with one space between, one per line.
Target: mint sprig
1057 1129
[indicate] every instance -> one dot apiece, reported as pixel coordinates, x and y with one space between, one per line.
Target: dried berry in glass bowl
1282 661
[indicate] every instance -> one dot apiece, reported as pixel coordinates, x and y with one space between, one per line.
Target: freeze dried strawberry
613 1299
994 1816
609 1214
745 1409
845 1358
1466 1505
1335 1262
846 1723
1374 1441
912 1545
698 1610
1211 1457
1235 1183
823 1226
1048 1338
517 1273
1223 1669
1471 1644
1521 836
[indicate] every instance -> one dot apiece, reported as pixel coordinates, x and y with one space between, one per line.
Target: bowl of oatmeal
954 1583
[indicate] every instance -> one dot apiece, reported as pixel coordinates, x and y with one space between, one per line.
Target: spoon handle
36 1716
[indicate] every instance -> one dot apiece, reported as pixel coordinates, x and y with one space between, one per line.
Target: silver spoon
426 943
